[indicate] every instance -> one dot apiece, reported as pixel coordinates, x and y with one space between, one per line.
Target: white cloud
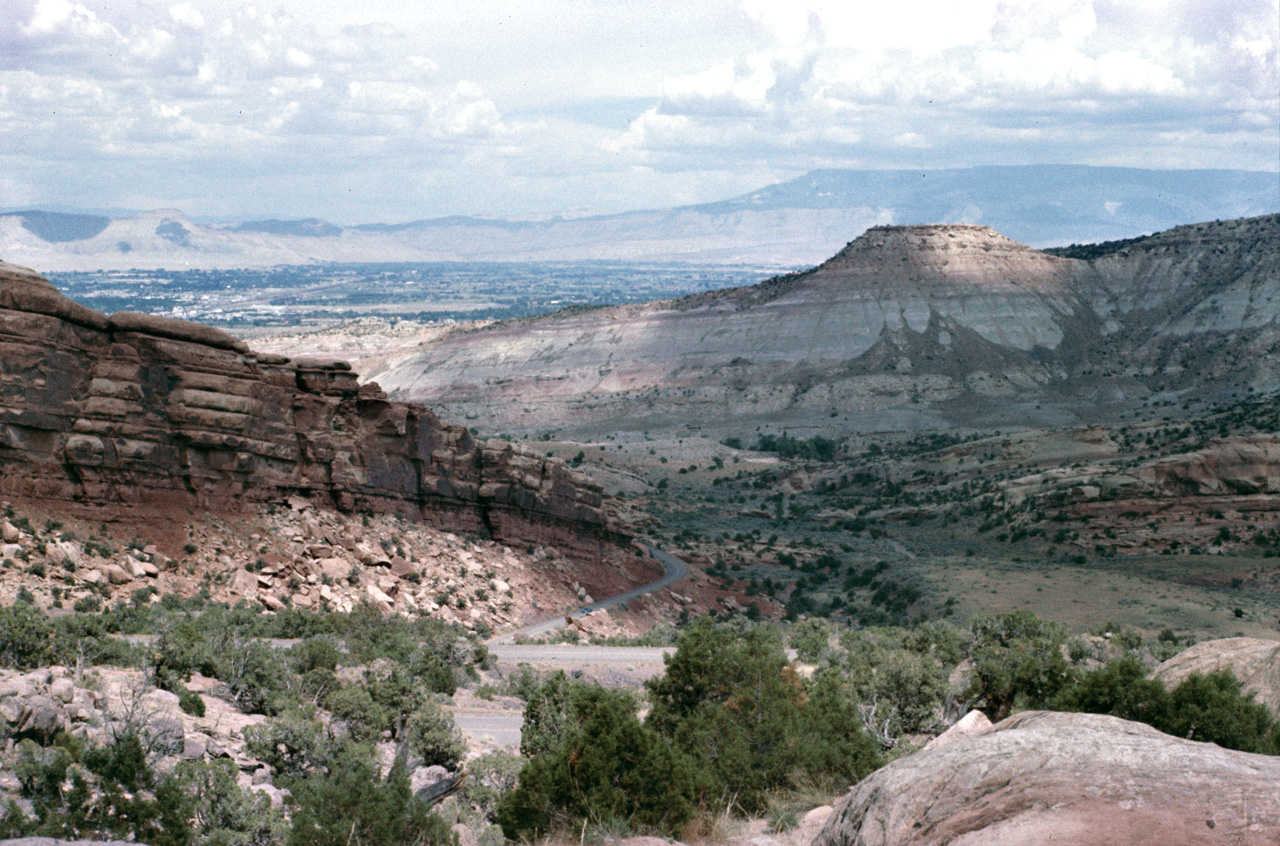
381 110
49 15
298 58
185 13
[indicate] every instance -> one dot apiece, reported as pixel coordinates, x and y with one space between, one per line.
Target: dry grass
1083 598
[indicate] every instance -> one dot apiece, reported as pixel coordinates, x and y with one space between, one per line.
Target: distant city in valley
311 296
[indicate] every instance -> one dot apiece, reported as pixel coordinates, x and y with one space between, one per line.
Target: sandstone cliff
130 409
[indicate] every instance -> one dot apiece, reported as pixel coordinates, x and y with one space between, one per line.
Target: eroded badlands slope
906 327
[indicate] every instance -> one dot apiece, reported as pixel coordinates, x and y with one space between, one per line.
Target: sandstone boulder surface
132 410
1256 663
1044 777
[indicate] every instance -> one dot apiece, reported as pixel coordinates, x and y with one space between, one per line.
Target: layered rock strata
138 410
906 328
1079 779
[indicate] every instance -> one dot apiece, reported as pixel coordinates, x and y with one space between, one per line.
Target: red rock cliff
132 409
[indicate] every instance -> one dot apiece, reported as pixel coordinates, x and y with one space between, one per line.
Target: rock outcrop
1241 466
897 320
108 412
907 327
1256 663
1075 779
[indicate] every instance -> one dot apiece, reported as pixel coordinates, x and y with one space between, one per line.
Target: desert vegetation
346 708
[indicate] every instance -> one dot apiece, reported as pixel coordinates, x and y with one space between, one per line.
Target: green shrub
354 706
25 636
1017 662
1119 688
608 767
351 803
314 653
1210 708
731 700
431 736
810 640
492 776
225 814
294 743
191 703
546 715
255 675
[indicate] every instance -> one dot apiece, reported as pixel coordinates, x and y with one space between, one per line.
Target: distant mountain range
790 224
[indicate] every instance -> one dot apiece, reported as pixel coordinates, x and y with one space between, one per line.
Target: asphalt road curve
675 571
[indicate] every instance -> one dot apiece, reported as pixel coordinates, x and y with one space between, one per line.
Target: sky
389 111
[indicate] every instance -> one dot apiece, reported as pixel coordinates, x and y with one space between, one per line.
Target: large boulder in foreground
1072 779
1256 663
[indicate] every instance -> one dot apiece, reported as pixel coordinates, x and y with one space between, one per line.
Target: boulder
115 574
166 735
465 836
1071 779
63 690
335 568
194 747
273 793
12 709
1256 663
425 776
376 597
811 823
63 553
244 584
974 722
9 533
178 330
214 749
44 716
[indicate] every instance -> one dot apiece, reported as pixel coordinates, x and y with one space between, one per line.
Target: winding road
502 728
675 571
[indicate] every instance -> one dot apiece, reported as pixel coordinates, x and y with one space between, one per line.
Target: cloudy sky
385 110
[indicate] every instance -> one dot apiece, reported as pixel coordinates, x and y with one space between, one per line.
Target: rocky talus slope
108 413
307 558
1075 779
908 327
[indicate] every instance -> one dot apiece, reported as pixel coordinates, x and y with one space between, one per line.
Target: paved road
570 656
675 571
500 728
